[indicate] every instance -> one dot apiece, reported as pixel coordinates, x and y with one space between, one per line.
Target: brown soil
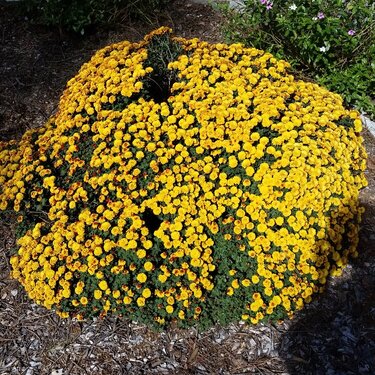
333 335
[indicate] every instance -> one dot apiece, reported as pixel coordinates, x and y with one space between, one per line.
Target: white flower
323 49
293 7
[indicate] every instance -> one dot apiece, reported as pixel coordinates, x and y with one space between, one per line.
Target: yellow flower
162 278
169 309
141 253
141 277
98 294
195 254
261 228
105 226
127 300
116 294
255 306
103 285
268 291
98 251
170 300
255 279
66 293
146 293
148 266
232 162
279 220
246 282
235 284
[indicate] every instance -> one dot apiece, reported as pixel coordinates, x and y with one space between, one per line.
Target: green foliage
330 41
78 15
161 51
356 83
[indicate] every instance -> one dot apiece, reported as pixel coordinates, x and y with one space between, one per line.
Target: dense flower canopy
185 181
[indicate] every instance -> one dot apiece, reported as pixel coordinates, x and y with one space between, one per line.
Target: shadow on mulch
335 335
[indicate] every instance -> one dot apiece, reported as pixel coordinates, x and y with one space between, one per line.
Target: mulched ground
333 335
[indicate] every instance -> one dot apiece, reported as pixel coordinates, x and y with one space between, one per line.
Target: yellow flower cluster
237 196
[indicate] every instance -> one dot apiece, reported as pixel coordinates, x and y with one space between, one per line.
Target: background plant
78 15
330 41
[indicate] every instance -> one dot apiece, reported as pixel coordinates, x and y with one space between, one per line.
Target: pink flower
321 15
267 3
351 32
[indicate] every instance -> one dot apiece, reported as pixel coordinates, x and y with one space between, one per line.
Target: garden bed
38 342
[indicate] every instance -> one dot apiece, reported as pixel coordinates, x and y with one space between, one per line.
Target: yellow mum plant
185 182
